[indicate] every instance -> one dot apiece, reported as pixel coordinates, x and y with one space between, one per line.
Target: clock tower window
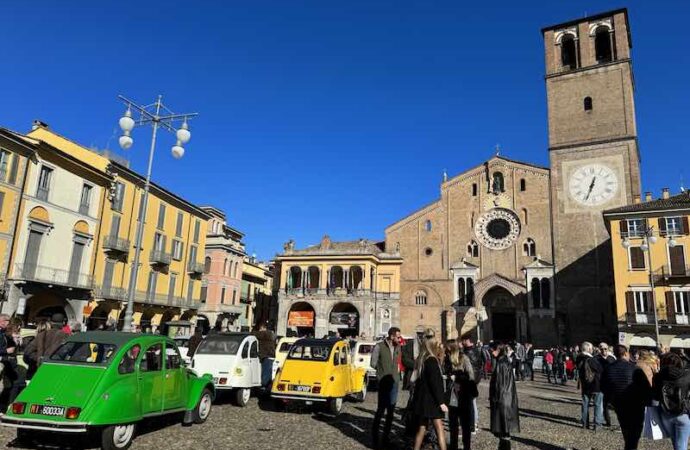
603 45
588 103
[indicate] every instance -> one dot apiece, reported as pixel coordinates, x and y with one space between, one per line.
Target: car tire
117 437
242 396
335 405
362 395
203 407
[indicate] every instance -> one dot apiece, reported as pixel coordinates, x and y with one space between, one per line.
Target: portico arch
344 319
301 319
506 312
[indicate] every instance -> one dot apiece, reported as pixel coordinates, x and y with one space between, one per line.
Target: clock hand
591 186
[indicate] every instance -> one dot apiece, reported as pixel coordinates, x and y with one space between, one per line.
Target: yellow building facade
347 288
168 284
650 242
256 294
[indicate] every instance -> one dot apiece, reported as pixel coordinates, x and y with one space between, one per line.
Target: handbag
652 424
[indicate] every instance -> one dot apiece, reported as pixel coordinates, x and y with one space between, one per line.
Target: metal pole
129 312
651 283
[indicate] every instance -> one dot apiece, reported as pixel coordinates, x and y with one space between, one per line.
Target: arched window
427 225
420 298
498 184
226 269
568 52
207 265
536 293
529 248
523 184
545 293
588 103
602 45
525 216
234 271
473 249
469 297
461 291
474 189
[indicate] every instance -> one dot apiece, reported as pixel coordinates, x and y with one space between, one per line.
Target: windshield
220 345
84 352
313 352
284 347
365 349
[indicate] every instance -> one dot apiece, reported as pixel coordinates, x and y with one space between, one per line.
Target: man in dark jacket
267 353
505 417
604 358
618 385
384 358
590 382
49 340
529 361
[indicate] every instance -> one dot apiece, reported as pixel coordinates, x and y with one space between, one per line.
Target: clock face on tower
593 184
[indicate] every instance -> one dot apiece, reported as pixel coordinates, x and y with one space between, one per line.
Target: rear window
284 347
220 345
310 352
365 349
84 352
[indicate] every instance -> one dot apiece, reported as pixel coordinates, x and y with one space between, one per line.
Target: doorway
503 325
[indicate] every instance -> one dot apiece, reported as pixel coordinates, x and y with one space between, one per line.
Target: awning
680 342
643 341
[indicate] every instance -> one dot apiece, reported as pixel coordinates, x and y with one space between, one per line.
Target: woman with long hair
430 403
462 390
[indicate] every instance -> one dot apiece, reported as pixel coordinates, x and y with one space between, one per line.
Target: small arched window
226 269
473 249
545 293
536 293
498 184
523 184
461 291
525 216
420 298
474 189
568 52
588 103
207 265
469 298
427 225
529 248
602 45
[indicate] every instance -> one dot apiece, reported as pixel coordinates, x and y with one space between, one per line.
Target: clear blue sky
323 116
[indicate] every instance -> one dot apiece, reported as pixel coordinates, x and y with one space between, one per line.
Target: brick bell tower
595 163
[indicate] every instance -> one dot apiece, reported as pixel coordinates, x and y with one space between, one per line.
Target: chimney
38 124
636 199
647 196
665 193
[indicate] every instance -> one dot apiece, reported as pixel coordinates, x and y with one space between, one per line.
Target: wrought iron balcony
195 267
160 257
110 293
116 244
42 193
666 273
52 275
640 318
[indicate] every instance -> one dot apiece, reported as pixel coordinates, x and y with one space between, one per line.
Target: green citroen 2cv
105 382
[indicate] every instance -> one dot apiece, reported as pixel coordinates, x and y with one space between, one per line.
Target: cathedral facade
512 250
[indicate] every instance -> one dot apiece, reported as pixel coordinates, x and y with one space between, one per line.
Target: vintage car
361 354
180 331
232 359
282 348
105 382
319 371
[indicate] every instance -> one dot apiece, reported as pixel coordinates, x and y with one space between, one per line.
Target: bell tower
594 160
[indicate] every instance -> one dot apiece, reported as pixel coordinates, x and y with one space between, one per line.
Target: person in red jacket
548 360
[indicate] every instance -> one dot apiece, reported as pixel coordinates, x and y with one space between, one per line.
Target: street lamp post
648 239
157 115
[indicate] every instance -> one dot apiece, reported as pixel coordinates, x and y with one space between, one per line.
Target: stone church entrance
503 325
507 320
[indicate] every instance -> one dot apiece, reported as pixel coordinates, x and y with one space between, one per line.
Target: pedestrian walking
430 404
31 350
267 354
604 358
384 358
548 360
51 338
460 396
475 355
670 388
529 361
503 399
520 356
590 384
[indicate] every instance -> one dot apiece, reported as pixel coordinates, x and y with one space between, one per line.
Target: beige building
523 249
257 294
347 288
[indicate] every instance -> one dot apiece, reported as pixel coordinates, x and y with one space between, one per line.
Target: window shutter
630 302
2 200
624 226
662 225
636 258
685 229
670 307
677 256
13 169
645 224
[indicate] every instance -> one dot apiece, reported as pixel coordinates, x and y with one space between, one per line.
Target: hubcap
205 406
338 404
245 395
122 435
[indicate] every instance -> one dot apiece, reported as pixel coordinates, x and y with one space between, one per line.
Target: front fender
196 387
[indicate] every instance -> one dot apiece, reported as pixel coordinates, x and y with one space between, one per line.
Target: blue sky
322 116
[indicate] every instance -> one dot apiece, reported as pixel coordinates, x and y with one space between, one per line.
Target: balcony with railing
110 293
335 293
42 193
671 273
195 267
160 257
52 275
150 298
116 244
637 318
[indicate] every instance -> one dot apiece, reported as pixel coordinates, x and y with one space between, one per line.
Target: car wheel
242 396
203 408
117 437
362 395
335 405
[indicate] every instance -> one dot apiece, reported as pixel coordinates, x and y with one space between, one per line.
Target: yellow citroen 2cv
320 371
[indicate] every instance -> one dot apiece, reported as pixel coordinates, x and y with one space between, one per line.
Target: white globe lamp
183 134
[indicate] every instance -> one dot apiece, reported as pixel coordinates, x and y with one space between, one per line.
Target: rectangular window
222 295
44 183
676 256
636 258
118 197
161 216
171 285
190 290
14 167
5 157
197 227
158 242
474 189
178 226
2 201
85 202
177 250
643 303
234 296
636 227
192 254
153 280
674 226
115 226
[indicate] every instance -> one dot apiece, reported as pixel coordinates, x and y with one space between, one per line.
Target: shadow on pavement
531 443
555 418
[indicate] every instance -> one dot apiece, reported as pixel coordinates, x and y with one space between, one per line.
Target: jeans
476 412
461 416
387 398
528 370
678 427
631 420
549 372
598 399
266 372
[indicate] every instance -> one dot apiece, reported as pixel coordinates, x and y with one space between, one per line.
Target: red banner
301 319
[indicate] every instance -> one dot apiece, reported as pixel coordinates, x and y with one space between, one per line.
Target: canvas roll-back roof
117 338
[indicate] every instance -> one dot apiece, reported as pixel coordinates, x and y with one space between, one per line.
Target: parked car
361 354
180 331
282 348
320 371
232 359
107 382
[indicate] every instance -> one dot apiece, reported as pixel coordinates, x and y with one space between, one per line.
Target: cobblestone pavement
549 420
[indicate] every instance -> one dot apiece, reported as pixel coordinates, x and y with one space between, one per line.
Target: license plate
47 410
299 388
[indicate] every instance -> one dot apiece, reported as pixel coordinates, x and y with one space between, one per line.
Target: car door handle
167 375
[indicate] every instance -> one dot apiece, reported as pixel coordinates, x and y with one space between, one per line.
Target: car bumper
44 425
301 398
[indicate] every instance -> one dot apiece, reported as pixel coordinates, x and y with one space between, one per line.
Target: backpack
674 396
588 370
